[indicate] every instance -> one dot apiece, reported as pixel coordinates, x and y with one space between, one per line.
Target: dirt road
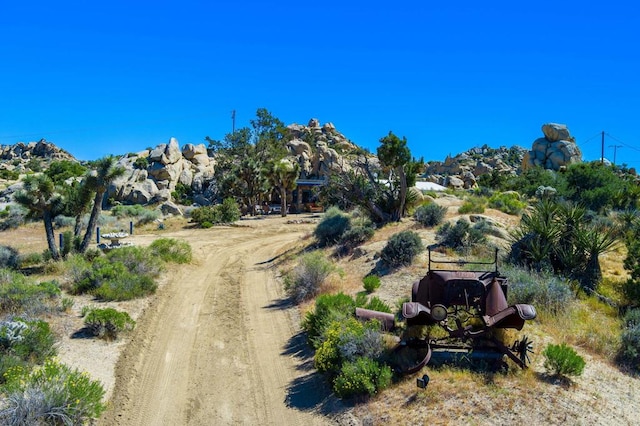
215 347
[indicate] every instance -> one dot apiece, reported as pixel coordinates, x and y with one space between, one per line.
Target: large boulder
554 132
557 149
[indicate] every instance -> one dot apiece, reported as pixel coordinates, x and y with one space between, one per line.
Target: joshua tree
104 173
39 196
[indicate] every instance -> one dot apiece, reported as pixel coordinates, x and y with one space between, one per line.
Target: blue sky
113 77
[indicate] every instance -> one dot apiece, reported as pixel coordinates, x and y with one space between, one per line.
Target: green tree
40 197
283 174
381 191
98 180
60 171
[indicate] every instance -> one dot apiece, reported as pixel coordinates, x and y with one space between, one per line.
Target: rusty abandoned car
469 307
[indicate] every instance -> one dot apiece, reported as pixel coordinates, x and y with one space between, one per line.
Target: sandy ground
218 343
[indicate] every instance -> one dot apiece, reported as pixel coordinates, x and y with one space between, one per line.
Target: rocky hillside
152 175
463 170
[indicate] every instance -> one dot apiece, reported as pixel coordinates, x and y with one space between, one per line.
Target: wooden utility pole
233 121
615 149
602 155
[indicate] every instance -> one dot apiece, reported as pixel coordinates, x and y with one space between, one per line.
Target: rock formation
16 157
463 170
555 150
168 165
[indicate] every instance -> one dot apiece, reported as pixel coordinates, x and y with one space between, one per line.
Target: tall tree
380 189
39 196
103 174
395 156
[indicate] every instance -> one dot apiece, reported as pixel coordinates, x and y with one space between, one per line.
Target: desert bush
371 283
137 260
363 376
30 259
507 202
328 308
629 353
16 217
346 340
51 394
62 221
141 163
226 212
61 170
332 226
205 215
375 304
126 287
9 257
132 210
229 210
473 204
543 290
108 322
306 279
171 250
356 235
21 295
183 194
430 215
401 249
460 236
110 279
561 360
28 340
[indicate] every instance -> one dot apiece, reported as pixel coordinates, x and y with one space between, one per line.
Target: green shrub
182 194
229 210
141 163
28 341
307 277
59 171
9 257
629 352
460 236
62 221
332 226
355 236
9 174
507 202
137 260
132 210
401 249
126 287
148 216
430 215
19 294
473 204
50 394
30 259
543 290
107 323
375 304
345 340
205 215
7 362
361 377
561 360
110 279
371 283
328 308
171 250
